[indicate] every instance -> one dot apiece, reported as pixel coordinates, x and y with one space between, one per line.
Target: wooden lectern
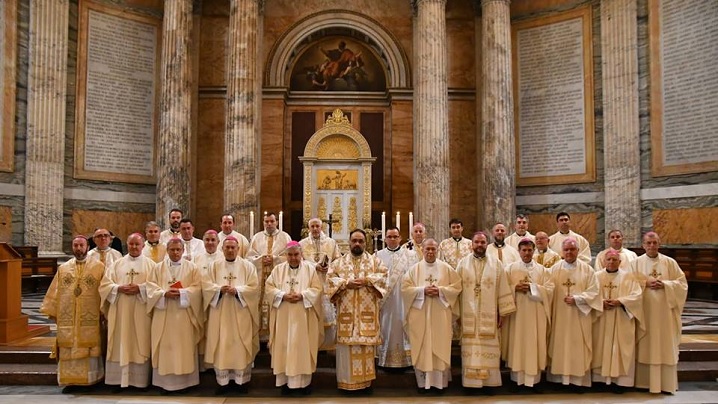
13 324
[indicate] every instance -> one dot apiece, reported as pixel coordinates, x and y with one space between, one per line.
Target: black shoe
286 390
69 390
421 390
242 388
306 390
223 390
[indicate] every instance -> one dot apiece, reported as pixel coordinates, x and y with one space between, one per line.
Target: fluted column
174 150
45 154
497 109
622 178
432 191
241 146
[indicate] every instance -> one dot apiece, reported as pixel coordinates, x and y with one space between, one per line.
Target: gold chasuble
128 323
428 320
73 301
525 333
176 323
295 329
485 296
614 329
571 342
657 349
357 317
233 320
156 252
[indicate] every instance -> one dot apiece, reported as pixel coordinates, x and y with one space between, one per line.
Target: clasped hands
292 297
129 289
227 289
172 293
523 287
431 291
611 304
357 283
654 283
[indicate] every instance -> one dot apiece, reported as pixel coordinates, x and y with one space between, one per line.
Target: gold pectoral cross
230 279
292 282
477 289
610 286
172 281
655 274
568 285
431 280
526 279
132 274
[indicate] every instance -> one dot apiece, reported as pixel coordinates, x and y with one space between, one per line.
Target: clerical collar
394 249
431 264
272 233
83 259
481 257
457 239
497 245
153 243
528 264
187 241
231 260
317 238
291 267
568 232
543 252
175 264
174 232
570 265
356 257
133 258
521 235
103 249
611 272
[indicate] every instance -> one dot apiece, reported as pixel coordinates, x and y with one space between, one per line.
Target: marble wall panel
215 7
212 51
686 226
402 166
210 167
463 163
121 224
5 224
272 147
461 45
522 8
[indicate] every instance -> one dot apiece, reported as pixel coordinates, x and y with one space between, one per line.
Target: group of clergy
176 305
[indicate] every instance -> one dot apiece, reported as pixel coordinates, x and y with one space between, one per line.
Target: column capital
415 3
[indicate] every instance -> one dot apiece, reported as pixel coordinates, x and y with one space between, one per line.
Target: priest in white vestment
563 221
192 245
430 290
456 247
294 289
412 248
73 302
664 295
231 292
486 300
356 284
154 249
103 252
321 251
499 249
525 332
174 217
227 229
521 231
575 298
124 302
614 329
615 240
203 261
543 254
266 250
394 351
174 299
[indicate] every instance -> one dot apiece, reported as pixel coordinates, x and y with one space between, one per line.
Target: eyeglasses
102 236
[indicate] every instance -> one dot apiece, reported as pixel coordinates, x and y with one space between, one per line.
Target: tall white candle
411 222
281 221
251 223
383 229
398 220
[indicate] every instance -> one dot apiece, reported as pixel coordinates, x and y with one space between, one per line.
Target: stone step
697 371
698 352
28 373
31 354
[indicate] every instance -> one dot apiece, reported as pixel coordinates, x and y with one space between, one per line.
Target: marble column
46 104
498 162
622 177
241 146
174 153
432 191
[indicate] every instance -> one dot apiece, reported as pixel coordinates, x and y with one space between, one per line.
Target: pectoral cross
172 281
568 285
292 282
655 274
610 286
431 280
526 279
477 289
132 274
230 279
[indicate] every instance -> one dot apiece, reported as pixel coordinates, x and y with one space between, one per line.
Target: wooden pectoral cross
132 275
610 286
568 285
292 283
431 280
230 279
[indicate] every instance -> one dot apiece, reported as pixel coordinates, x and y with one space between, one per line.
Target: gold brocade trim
337 215
476 374
352 213
354 386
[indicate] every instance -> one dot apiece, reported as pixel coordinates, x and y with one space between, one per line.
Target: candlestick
281 221
411 222
383 229
398 220
251 223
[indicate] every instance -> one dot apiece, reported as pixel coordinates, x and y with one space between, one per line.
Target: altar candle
411 222
281 221
383 228
251 223
398 220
